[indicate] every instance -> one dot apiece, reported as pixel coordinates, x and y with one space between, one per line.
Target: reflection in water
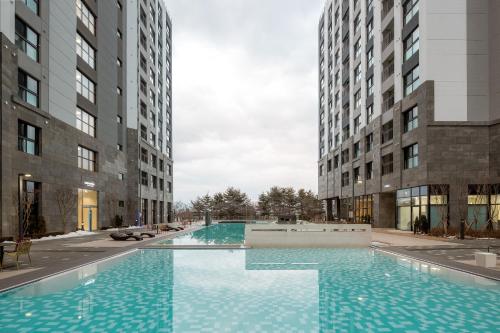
264 290
217 234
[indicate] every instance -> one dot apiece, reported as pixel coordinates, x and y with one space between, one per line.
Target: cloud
244 95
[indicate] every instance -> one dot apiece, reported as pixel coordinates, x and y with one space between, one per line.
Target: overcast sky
244 95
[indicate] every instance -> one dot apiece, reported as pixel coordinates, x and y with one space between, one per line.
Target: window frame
410 156
24 90
86 16
22 39
23 138
90 124
90 159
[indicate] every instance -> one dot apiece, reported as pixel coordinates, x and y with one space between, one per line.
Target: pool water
216 234
255 290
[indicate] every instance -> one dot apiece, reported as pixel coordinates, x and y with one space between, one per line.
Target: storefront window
412 211
363 209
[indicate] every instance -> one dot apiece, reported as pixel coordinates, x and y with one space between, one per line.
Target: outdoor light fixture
89 184
27 175
387 185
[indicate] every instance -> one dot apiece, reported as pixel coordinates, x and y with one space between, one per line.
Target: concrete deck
54 256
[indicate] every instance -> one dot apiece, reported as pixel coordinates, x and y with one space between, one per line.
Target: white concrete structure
485 259
307 235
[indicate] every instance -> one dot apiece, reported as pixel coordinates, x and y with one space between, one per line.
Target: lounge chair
22 247
142 234
119 236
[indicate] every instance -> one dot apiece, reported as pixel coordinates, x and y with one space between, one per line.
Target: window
143 86
119 147
144 178
26 39
28 88
410 8
118 62
152 138
410 119
119 34
356 150
161 165
387 132
32 5
357 74
387 161
86 159
169 170
320 169
369 58
357 99
369 113
356 176
143 63
161 183
345 178
85 51
153 181
152 96
345 156
337 140
153 160
28 138
85 15
142 15
410 154
119 91
152 118
346 133
85 122
357 23
357 124
336 161
412 81
85 87
144 155
169 187
369 5
144 109
369 170
369 29
119 119
357 49
369 86
369 142
411 44
329 165
121 176
144 133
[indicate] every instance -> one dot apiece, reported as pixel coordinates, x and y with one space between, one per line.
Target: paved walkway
453 253
53 256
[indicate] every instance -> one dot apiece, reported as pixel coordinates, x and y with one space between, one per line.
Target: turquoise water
255 290
216 234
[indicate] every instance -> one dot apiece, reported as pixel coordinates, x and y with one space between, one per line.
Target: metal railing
388 71
388 38
387 6
388 103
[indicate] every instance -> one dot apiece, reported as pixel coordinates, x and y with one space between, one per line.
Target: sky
244 95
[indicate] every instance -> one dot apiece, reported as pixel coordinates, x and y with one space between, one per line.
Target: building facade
409 112
64 120
149 109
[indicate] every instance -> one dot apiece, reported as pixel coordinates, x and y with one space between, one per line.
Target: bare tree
66 201
26 205
477 202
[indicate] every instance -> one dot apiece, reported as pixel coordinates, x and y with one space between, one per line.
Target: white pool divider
307 235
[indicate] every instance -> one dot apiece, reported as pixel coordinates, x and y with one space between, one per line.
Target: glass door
87 210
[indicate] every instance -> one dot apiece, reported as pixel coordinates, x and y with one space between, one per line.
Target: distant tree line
235 204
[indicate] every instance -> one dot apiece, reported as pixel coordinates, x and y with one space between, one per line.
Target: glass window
410 119
369 170
357 49
369 58
357 74
387 164
28 138
85 51
356 150
86 159
85 122
411 44
412 81
345 178
411 156
369 113
85 87
85 15
410 8
144 178
357 99
357 124
26 39
369 86
369 142
387 132
345 156
369 29
32 5
144 132
28 88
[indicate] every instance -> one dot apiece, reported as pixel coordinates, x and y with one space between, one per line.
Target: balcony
387 7
388 38
388 102
388 70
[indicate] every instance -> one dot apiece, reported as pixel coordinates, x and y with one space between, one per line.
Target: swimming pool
255 290
216 234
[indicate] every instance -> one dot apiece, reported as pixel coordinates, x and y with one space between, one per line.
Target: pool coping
51 275
446 263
